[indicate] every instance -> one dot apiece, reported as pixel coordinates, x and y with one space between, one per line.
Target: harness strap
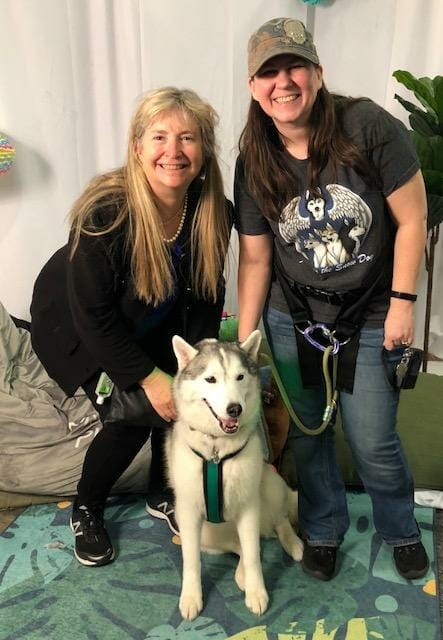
349 320
213 483
213 490
310 359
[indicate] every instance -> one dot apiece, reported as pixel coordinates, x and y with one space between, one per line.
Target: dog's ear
184 352
252 345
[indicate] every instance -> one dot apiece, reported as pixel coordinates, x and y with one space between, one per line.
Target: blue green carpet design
45 593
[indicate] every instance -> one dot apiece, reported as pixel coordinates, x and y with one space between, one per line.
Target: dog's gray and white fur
217 397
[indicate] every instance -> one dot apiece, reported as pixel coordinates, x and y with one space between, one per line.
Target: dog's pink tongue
230 422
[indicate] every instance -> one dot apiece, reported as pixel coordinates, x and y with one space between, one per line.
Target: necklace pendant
215 457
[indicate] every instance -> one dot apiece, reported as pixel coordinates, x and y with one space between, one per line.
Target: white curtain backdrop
71 71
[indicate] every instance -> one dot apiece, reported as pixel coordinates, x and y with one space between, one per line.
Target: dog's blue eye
240 376
211 380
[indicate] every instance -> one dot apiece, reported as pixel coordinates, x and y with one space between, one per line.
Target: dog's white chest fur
241 473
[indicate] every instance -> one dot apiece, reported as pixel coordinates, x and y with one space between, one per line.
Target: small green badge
104 388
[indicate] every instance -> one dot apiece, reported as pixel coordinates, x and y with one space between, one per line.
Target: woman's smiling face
171 152
286 88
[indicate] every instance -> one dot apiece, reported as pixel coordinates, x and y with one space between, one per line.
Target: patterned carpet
45 593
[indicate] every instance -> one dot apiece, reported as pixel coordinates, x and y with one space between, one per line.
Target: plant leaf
409 106
435 210
429 150
421 124
428 82
433 181
423 148
436 145
438 89
420 87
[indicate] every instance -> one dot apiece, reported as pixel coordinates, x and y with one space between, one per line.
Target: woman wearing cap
331 213
144 261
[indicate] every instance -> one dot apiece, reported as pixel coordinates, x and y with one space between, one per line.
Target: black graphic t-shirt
342 240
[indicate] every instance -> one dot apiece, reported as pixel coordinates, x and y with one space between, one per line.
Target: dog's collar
215 458
213 482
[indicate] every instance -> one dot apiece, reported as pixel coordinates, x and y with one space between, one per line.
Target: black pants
112 451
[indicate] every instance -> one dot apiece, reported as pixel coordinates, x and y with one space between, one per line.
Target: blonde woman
144 260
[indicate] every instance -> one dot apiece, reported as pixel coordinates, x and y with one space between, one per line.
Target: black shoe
319 561
411 560
93 546
162 506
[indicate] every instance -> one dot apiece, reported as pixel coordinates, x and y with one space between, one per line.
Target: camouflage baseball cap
277 36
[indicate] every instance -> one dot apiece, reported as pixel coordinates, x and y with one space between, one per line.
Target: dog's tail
293 506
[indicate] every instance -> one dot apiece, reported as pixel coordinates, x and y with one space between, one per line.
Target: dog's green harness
213 483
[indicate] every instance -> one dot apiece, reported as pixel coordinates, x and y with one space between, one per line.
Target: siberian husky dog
226 495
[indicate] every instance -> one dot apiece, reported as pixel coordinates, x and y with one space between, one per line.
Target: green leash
331 391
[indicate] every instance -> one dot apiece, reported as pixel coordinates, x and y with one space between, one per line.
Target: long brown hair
129 189
269 177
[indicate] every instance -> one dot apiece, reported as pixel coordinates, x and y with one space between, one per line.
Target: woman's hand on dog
158 389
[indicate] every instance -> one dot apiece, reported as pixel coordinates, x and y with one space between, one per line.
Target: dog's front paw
297 549
240 576
257 601
190 606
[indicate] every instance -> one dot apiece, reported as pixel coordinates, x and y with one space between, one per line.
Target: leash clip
329 411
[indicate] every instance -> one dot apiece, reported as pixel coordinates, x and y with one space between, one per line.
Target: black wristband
403 296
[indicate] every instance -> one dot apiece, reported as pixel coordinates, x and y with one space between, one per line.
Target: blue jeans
369 424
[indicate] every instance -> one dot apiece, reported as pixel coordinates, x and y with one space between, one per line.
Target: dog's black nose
234 409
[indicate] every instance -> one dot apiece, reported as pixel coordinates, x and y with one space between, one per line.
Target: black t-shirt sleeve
248 218
92 279
390 148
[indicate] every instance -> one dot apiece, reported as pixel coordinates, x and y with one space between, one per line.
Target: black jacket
86 317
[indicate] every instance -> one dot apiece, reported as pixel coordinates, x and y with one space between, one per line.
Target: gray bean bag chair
44 434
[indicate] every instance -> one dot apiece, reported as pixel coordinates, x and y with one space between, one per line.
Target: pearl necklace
180 224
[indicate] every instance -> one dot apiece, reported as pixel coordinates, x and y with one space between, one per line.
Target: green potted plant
427 134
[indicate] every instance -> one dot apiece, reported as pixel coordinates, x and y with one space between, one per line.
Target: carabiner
327 334
341 344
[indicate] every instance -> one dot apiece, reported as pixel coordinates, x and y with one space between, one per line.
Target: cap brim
277 51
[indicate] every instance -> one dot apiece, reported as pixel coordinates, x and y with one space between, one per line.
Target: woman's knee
126 434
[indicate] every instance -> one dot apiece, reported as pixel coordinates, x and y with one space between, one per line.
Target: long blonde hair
128 187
